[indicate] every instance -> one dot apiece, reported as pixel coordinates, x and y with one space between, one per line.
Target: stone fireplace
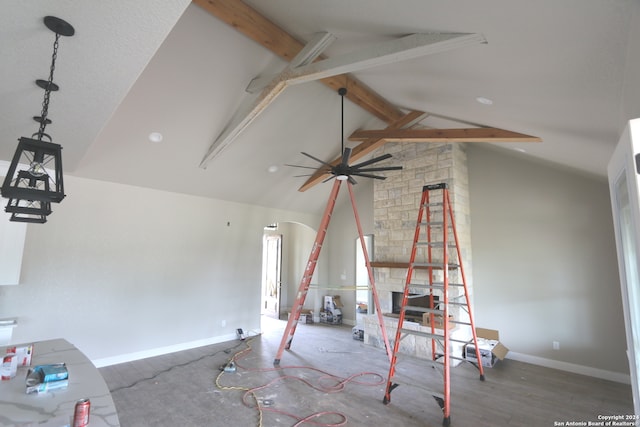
396 204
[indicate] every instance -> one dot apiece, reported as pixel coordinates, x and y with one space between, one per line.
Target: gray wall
125 272
545 264
631 91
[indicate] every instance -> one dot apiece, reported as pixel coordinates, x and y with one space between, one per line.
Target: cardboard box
331 302
23 354
439 321
491 349
306 316
329 317
43 378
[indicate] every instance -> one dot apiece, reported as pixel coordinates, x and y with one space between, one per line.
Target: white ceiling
553 69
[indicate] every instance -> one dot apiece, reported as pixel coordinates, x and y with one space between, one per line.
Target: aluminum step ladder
435 270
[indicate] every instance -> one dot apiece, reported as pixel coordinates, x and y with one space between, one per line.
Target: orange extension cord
336 385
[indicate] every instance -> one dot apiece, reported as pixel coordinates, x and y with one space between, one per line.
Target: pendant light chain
342 124
342 92
47 90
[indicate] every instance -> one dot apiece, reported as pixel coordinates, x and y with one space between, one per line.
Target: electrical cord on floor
169 369
337 386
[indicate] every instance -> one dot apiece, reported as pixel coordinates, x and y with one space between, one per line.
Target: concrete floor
330 379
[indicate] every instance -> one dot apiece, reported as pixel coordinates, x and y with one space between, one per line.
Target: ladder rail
374 292
466 295
427 206
398 336
290 329
445 266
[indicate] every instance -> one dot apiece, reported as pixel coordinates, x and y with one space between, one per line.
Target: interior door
624 174
271 281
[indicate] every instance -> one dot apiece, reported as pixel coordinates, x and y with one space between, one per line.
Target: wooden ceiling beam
443 135
252 24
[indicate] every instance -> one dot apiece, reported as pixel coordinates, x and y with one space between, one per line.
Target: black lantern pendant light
28 210
32 190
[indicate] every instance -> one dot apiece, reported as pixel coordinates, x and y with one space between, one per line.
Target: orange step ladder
436 243
303 289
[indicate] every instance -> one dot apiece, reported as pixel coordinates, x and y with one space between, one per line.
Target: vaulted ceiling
553 71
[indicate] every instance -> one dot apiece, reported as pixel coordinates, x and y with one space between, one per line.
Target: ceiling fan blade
367 175
352 181
380 169
329 179
345 157
316 159
299 176
304 167
374 160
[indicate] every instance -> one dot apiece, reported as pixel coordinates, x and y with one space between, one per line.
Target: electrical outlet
556 345
240 333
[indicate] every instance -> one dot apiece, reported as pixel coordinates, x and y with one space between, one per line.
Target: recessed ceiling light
484 101
155 137
273 169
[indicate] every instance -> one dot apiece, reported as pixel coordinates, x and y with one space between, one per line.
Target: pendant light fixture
34 177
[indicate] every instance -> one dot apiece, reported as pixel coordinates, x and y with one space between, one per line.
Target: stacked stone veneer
396 207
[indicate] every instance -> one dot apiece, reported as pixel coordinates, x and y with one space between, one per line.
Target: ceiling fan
342 170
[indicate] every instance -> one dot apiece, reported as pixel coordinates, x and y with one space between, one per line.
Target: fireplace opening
415 301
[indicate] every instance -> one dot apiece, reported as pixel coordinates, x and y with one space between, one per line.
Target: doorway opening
271 275
364 304
285 251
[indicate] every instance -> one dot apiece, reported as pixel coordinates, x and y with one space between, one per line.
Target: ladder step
441 284
429 335
431 204
423 334
423 309
436 244
417 288
459 322
434 223
434 264
455 303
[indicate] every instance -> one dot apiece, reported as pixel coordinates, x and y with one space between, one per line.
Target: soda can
81 413
9 366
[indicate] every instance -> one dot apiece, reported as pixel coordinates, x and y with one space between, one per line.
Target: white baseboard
129 357
349 322
534 360
571 367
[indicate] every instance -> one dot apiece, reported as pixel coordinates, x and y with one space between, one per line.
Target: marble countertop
55 408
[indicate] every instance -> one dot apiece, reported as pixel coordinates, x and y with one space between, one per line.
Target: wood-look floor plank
514 394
